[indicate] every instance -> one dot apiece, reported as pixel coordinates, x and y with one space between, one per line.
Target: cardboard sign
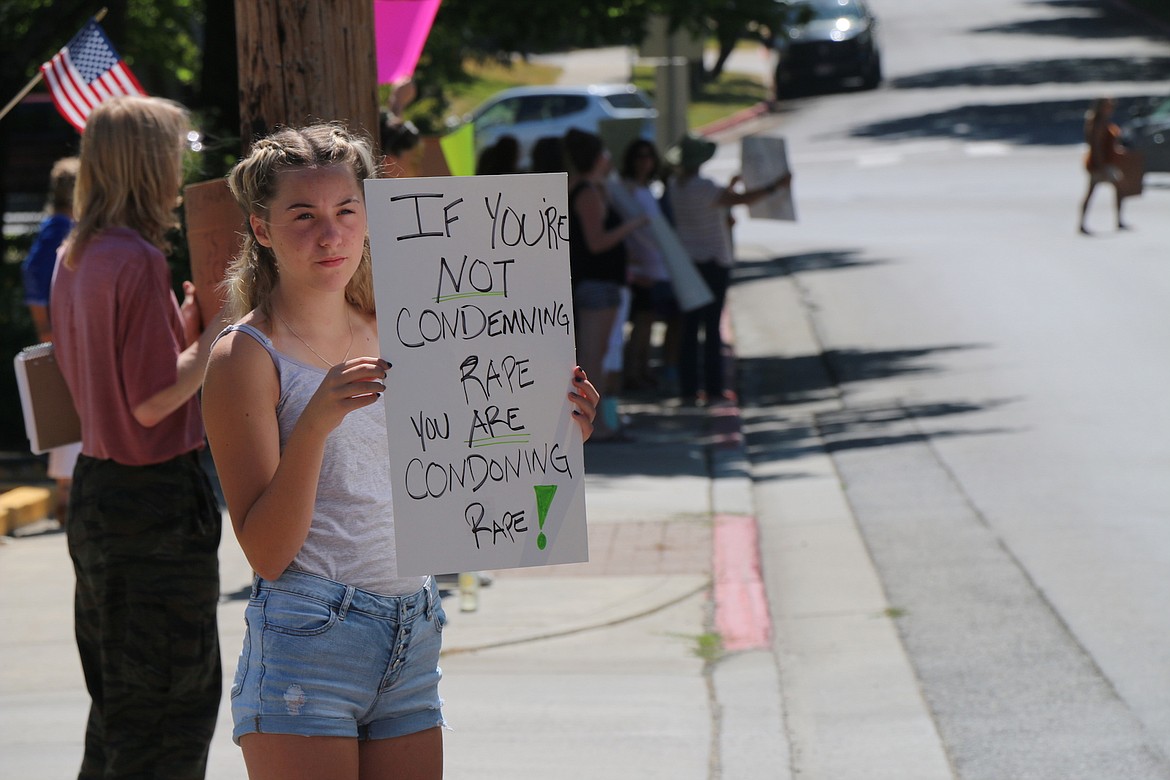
215 231
471 279
763 159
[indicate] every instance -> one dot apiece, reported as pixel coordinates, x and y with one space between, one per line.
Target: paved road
991 390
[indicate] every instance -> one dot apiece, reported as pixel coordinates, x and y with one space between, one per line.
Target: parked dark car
1149 133
827 43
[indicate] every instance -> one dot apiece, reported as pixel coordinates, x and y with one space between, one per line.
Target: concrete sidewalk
593 669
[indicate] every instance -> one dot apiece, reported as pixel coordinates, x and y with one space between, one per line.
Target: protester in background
37 268
501 157
144 525
700 208
1103 158
398 134
653 297
613 366
37 273
548 155
597 256
296 418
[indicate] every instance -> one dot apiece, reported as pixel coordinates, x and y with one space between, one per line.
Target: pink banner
400 29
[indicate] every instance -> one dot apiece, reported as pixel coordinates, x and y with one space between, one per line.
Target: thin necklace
320 357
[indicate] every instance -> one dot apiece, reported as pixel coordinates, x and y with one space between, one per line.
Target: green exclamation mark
544 499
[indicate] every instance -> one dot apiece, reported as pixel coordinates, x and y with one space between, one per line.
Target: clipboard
50 418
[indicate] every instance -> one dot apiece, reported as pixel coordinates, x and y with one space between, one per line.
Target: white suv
531 113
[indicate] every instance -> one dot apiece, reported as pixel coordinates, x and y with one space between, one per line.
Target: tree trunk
726 47
306 60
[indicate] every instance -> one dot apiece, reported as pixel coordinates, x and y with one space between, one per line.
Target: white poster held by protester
471 280
690 290
763 160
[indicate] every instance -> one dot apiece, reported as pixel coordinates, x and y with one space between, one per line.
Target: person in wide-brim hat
690 152
702 220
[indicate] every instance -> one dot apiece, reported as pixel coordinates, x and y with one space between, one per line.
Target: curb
742 616
738 118
24 506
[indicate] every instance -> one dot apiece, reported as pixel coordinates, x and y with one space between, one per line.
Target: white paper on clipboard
763 160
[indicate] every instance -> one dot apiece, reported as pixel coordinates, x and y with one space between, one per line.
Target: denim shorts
325 659
597 294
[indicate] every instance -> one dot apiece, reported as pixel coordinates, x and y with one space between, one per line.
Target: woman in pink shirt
144 525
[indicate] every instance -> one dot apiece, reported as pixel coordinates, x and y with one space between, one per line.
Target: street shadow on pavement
1034 72
771 385
1092 20
768 381
665 439
859 428
1051 123
772 436
748 271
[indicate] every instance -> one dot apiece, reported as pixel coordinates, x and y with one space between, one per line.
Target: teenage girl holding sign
339 672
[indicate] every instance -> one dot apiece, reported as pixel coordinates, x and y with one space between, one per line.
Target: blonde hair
252 274
62 182
131 170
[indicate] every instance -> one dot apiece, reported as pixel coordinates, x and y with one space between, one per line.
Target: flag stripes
86 72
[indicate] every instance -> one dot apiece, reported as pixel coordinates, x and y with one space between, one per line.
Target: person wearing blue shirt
37 268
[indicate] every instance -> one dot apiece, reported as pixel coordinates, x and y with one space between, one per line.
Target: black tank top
607 266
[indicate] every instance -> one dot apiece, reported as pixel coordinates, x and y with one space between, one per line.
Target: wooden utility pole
299 61
306 60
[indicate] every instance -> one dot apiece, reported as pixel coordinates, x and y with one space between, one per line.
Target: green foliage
161 43
709 646
157 38
722 96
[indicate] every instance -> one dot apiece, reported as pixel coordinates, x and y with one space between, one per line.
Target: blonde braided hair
252 274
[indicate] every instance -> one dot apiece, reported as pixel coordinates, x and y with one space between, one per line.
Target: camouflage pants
144 542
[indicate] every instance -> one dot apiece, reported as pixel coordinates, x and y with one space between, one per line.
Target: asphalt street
989 387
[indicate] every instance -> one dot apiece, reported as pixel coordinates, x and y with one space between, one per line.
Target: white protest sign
471 280
690 290
763 160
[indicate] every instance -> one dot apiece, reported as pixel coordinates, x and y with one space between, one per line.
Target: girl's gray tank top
351 539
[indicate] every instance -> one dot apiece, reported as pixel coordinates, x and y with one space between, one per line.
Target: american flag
86 72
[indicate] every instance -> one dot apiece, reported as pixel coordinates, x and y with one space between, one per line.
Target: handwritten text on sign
471 278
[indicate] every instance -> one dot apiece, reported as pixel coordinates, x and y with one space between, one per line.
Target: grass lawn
730 93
